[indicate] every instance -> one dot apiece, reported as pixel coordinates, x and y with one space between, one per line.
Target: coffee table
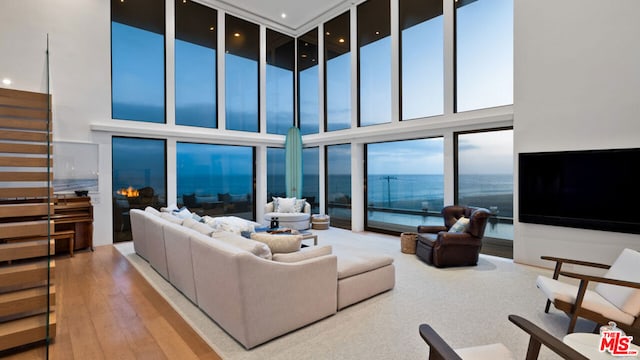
309 235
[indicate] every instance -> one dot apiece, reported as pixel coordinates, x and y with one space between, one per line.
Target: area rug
468 306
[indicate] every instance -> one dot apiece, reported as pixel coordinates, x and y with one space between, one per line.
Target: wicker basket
320 222
408 242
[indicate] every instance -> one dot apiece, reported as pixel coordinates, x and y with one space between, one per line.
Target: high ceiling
298 12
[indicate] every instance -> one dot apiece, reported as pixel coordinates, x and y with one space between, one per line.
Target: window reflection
422 54
485 177
279 77
484 53
337 73
137 61
374 57
311 177
241 74
338 158
216 180
276 184
195 64
308 73
407 193
138 180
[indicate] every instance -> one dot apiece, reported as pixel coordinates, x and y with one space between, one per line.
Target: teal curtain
293 163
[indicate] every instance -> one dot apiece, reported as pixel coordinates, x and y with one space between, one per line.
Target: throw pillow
460 225
303 254
255 247
299 206
286 205
279 243
183 213
172 218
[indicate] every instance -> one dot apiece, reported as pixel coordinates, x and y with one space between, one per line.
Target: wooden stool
70 235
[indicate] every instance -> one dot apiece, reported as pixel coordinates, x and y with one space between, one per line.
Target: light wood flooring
106 310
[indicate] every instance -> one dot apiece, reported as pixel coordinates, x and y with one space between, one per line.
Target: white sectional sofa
252 294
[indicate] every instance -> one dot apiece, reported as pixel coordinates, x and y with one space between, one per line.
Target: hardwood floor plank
106 310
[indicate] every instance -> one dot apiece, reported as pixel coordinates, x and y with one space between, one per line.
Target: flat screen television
592 189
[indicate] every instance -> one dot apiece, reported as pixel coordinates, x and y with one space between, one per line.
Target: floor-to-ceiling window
374 62
484 53
405 184
137 60
337 57
338 183
311 177
485 178
421 58
139 179
242 54
276 185
216 179
308 74
279 78
195 64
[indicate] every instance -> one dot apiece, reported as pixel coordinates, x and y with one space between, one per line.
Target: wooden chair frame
440 350
574 311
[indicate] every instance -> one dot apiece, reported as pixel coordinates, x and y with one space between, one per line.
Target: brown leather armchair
441 248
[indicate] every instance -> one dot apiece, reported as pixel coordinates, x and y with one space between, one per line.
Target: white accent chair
616 297
292 220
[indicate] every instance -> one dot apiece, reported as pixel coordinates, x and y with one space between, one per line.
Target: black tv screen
594 189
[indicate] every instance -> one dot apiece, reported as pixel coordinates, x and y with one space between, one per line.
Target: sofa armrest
430 229
280 297
456 239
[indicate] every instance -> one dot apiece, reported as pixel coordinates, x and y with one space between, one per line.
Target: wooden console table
74 213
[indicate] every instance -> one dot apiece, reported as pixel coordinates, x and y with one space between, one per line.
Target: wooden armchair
440 350
616 297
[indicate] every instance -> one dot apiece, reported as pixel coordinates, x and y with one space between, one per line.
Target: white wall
80 76
577 86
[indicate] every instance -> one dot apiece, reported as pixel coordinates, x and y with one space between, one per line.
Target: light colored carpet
468 306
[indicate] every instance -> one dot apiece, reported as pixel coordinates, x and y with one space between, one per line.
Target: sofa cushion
303 254
279 243
171 218
255 247
352 263
198 226
152 210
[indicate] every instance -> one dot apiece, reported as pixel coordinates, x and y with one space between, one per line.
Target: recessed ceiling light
377 32
341 40
212 28
327 33
6 81
303 55
236 34
283 15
